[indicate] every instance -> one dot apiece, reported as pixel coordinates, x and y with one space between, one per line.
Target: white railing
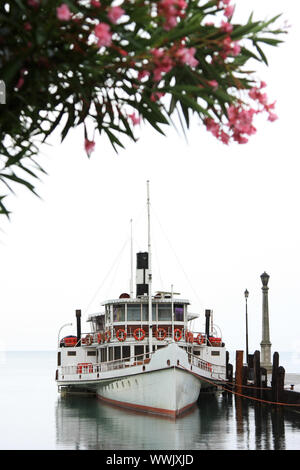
90 368
215 369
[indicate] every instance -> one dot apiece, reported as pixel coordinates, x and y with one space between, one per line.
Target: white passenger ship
140 352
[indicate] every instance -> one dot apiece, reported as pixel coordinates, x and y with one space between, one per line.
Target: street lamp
66 324
246 294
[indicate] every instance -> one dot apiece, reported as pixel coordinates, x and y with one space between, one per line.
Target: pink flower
63 13
229 11
213 83
95 3
272 117
156 96
89 146
226 27
186 56
135 119
212 126
27 26
170 10
235 48
102 32
114 13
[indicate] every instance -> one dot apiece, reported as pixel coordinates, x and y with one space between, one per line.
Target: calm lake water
35 417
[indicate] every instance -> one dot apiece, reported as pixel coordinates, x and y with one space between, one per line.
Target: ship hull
168 392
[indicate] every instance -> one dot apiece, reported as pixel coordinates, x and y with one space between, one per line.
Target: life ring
200 339
158 336
99 338
136 334
88 340
107 336
121 334
189 337
179 336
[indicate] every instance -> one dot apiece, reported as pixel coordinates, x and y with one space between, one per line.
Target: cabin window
91 353
99 323
103 354
138 351
133 312
164 312
126 352
71 353
215 353
59 358
119 313
178 312
146 312
110 354
117 352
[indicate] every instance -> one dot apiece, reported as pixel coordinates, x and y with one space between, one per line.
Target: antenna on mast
131 261
149 271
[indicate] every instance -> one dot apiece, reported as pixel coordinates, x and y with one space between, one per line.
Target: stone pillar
265 342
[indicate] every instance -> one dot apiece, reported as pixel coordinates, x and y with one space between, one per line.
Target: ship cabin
123 329
122 332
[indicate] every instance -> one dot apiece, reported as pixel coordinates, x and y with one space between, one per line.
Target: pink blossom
114 13
163 63
213 83
89 146
272 117
229 11
236 48
186 56
212 126
20 83
156 96
102 32
135 119
95 3
143 73
224 137
27 26
63 13
226 27
171 10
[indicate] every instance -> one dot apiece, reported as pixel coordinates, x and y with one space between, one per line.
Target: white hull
168 384
167 391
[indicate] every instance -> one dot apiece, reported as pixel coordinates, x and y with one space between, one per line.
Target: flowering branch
109 67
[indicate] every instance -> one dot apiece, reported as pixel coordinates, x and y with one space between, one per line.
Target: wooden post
257 374
238 371
275 376
280 383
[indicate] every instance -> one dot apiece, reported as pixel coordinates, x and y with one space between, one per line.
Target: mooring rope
237 393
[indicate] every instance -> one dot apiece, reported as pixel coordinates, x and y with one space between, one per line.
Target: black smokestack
142 283
207 319
78 318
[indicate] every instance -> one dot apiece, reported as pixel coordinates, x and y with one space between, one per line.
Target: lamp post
66 324
246 294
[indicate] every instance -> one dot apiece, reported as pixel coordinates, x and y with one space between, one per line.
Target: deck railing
89 367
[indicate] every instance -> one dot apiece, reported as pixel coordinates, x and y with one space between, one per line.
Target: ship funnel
142 281
78 318
207 321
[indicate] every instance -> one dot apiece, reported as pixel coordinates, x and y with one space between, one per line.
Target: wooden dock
253 382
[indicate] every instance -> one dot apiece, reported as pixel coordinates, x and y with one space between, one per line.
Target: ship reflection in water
215 423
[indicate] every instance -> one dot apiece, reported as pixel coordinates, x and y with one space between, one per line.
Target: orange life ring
200 339
164 334
137 336
177 337
99 338
189 337
107 336
121 334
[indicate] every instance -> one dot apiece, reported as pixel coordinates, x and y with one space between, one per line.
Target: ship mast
131 261
149 272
